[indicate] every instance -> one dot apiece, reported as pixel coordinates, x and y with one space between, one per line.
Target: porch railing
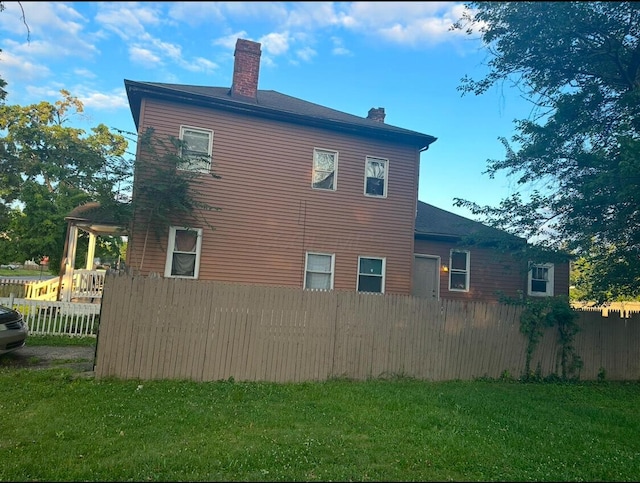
85 286
42 290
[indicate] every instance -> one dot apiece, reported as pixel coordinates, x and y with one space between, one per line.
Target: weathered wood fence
155 328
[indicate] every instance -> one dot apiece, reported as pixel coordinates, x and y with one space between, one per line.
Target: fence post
11 297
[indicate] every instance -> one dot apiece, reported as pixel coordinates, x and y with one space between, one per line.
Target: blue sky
349 56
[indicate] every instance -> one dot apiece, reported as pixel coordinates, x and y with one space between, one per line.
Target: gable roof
436 223
271 105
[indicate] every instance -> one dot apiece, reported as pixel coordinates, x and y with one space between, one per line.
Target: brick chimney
246 68
376 114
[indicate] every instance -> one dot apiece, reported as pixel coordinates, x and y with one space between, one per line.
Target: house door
426 277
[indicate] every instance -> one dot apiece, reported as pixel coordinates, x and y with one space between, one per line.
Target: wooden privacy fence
155 328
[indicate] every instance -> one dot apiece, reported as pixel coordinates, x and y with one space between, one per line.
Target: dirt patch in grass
77 358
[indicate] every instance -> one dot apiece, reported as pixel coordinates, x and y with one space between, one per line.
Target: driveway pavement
77 358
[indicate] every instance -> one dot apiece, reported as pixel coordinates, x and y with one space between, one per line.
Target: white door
426 280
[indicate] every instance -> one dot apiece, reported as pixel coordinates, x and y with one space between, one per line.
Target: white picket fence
45 317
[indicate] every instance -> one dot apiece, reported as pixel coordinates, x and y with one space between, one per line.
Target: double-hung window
459 270
540 280
319 271
325 169
371 274
195 149
375 177
183 252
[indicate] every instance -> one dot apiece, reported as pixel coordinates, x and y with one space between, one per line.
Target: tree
579 152
48 168
165 194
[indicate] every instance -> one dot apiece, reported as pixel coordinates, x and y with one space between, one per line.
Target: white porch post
69 263
91 252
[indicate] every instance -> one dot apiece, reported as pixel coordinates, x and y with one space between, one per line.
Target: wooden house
307 196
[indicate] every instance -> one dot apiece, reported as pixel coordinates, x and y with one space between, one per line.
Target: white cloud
224 13
408 23
306 54
338 48
17 68
229 41
86 73
200 64
127 20
112 101
48 49
50 92
141 56
313 15
275 44
165 49
52 30
40 18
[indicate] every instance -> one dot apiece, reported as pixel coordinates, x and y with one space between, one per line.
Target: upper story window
196 149
459 270
183 252
319 271
540 280
325 169
371 274
375 177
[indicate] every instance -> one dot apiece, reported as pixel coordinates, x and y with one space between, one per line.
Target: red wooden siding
270 216
491 272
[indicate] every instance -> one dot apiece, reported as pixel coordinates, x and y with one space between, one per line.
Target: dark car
13 330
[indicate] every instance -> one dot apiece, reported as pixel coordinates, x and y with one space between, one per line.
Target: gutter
137 92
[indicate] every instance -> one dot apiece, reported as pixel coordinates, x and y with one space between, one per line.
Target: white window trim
550 283
384 273
306 270
386 176
170 249
209 132
335 168
466 270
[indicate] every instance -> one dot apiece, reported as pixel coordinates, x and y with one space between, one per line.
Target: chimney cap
376 114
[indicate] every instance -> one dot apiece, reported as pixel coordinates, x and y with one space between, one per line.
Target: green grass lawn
60 340
61 427
21 272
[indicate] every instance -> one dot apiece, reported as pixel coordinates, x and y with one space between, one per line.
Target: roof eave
421 235
135 92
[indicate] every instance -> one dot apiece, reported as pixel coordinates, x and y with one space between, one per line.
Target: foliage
542 313
3 92
165 195
579 152
47 169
